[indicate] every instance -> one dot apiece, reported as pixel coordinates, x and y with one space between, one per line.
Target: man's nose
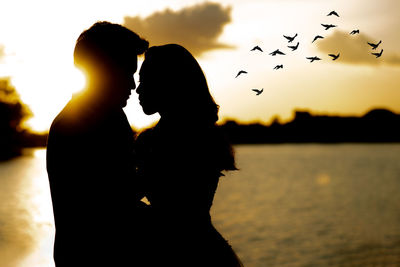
132 85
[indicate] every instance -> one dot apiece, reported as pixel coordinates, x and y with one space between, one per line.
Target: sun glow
37 55
47 94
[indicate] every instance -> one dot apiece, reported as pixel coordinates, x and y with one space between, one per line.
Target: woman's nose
139 89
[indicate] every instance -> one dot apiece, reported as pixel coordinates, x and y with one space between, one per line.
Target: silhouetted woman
181 160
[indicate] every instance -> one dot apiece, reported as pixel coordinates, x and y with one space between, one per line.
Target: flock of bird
290 39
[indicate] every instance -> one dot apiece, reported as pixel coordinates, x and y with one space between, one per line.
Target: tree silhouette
12 113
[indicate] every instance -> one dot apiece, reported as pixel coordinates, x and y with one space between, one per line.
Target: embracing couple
99 171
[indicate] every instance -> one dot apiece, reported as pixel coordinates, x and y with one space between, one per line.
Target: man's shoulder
72 120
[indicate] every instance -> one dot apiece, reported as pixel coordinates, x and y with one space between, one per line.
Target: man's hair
105 40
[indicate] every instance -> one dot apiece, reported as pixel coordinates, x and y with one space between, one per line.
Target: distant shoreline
315 143
376 126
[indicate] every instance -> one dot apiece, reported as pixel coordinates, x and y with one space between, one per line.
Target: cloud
197 27
354 49
2 52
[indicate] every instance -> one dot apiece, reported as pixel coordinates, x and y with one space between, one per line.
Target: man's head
107 53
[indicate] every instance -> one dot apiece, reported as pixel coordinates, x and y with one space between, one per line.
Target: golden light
39 58
323 179
47 95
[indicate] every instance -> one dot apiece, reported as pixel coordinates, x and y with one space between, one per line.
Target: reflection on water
313 205
289 205
26 222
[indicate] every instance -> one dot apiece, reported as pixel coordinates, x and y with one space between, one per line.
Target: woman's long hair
185 80
189 93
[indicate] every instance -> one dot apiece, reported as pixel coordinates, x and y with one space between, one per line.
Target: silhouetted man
90 160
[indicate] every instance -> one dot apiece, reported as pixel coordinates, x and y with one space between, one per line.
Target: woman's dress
180 174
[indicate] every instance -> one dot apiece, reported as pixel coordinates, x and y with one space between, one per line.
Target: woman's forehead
146 66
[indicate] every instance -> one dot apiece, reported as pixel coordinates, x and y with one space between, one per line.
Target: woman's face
150 89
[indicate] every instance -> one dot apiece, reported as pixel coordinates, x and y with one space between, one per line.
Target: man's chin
124 103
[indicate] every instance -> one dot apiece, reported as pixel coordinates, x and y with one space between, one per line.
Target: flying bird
294 47
378 54
328 26
290 39
333 13
313 58
277 67
241 72
355 32
257 48
258 92
334 57
317 37
375 46
277 52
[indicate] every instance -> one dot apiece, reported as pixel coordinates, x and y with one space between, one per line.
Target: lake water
289 205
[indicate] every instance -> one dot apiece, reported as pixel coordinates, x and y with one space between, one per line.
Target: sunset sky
37 39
